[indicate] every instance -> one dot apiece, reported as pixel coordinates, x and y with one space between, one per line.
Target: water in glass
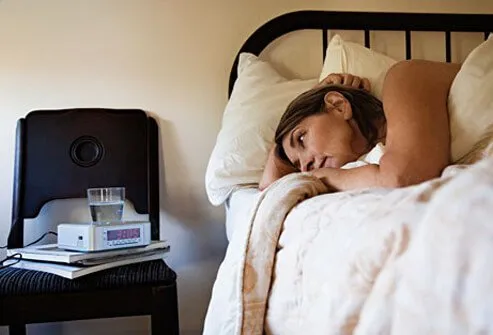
106 204
106 211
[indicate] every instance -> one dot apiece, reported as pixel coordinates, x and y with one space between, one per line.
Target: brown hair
367 110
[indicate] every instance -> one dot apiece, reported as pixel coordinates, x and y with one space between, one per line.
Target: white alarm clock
100 237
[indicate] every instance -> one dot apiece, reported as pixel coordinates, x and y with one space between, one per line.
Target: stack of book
73 264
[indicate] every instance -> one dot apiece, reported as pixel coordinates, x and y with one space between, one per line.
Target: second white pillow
470 100
348 57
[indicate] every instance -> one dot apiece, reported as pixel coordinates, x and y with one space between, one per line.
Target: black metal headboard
326 20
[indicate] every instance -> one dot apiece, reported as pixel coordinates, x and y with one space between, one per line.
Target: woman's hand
322 175
346 79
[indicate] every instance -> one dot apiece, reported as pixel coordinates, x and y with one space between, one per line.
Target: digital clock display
123 234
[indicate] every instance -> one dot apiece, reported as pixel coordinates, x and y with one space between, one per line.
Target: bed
303 260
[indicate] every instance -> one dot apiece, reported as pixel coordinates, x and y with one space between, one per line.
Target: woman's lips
329 162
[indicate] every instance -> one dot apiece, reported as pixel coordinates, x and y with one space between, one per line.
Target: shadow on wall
196 233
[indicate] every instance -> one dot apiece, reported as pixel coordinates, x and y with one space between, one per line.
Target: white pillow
470 101
353 58
259 98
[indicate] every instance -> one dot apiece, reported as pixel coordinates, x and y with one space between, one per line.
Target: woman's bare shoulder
420 73
415 105
413 85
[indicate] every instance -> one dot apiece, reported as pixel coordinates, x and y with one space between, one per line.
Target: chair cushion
15 281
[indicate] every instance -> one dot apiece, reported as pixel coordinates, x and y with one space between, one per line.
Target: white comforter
416 260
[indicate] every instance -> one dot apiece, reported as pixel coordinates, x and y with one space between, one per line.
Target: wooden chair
58 155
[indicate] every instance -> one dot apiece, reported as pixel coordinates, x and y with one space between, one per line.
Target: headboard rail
327 20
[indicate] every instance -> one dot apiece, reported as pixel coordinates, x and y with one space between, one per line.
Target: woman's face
327 139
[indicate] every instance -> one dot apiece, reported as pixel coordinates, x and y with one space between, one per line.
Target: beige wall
169 57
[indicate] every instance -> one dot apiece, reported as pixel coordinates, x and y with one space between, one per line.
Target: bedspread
414 260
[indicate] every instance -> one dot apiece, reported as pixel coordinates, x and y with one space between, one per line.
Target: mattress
238 205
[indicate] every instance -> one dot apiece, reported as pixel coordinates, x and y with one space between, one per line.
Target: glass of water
106 203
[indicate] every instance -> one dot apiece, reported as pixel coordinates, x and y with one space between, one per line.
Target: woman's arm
417 144
366 176
275 168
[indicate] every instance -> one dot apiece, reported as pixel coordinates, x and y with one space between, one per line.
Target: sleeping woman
338 121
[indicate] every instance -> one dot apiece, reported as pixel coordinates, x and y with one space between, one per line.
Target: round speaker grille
86 151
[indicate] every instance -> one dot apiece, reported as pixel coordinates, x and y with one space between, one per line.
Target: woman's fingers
333 79
356 82
365 84
346 79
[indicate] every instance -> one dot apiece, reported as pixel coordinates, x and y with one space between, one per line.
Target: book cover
72 271
51 253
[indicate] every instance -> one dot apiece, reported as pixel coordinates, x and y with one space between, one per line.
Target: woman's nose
307 164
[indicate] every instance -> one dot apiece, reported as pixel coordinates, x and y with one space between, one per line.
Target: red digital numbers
123 234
